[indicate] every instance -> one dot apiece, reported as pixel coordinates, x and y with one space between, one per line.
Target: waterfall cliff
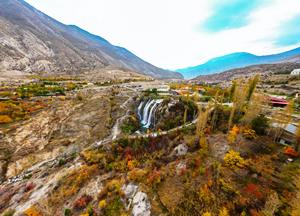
147 111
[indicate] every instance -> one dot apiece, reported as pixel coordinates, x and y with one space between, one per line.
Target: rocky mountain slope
238 60
32 42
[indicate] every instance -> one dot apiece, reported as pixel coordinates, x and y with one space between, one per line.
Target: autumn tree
254 108
252 86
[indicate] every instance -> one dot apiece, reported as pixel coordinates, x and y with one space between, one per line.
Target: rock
141 205
180 150
129 190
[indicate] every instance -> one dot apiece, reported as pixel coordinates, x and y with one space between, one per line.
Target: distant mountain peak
236 60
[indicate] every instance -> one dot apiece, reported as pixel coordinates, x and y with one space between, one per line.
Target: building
288 135
295 72
278 102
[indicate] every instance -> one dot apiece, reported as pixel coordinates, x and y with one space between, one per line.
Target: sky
175 34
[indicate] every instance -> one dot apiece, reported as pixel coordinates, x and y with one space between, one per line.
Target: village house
295 72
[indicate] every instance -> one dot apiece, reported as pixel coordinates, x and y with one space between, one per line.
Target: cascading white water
153 110
146 111
146 114
140 109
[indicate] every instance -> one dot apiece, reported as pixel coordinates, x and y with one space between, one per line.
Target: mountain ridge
237 60
33 42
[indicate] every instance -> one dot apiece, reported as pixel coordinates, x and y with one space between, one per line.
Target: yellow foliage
137 175
71 184
249 133
5 119
223 212
32 211
233 160
203 143
102 204
114 185
92 156
207 214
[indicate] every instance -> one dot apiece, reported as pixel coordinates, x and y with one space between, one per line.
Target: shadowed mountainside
32 42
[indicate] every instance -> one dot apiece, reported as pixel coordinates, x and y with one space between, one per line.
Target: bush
260 124
32 211
249 134
5 119
82 202
233 160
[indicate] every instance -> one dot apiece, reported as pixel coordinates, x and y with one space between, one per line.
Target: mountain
262 69
32 42
238 60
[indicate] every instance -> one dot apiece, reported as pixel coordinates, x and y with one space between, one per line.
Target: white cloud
166 32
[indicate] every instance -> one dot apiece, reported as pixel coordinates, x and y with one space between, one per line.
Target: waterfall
146 111
140 108
147 114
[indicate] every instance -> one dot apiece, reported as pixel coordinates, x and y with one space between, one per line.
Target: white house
295 72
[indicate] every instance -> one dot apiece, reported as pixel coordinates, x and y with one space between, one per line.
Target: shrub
67 212
5 119
233 134
137 175
9 212
249 134
223 212
289 151
32 211
114 207
71 183
260 124
233 160
154 178
102 204
82 202
253 190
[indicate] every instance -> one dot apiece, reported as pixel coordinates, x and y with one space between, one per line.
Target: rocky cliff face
32 42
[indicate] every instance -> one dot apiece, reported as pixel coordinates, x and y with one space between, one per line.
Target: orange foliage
254 190
154 177
5 119
82 202
32 211
289 151
130 165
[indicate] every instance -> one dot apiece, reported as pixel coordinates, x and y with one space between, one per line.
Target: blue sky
230 14
180 33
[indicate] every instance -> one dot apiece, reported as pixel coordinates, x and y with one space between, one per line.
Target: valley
88 128
119 148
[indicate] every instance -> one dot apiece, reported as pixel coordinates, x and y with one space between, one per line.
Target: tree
260 124
251 86
232 90
254 108
185 115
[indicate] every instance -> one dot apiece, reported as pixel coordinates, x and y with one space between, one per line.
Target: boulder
180 150
141 205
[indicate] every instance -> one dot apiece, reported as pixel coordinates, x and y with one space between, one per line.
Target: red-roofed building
278 102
